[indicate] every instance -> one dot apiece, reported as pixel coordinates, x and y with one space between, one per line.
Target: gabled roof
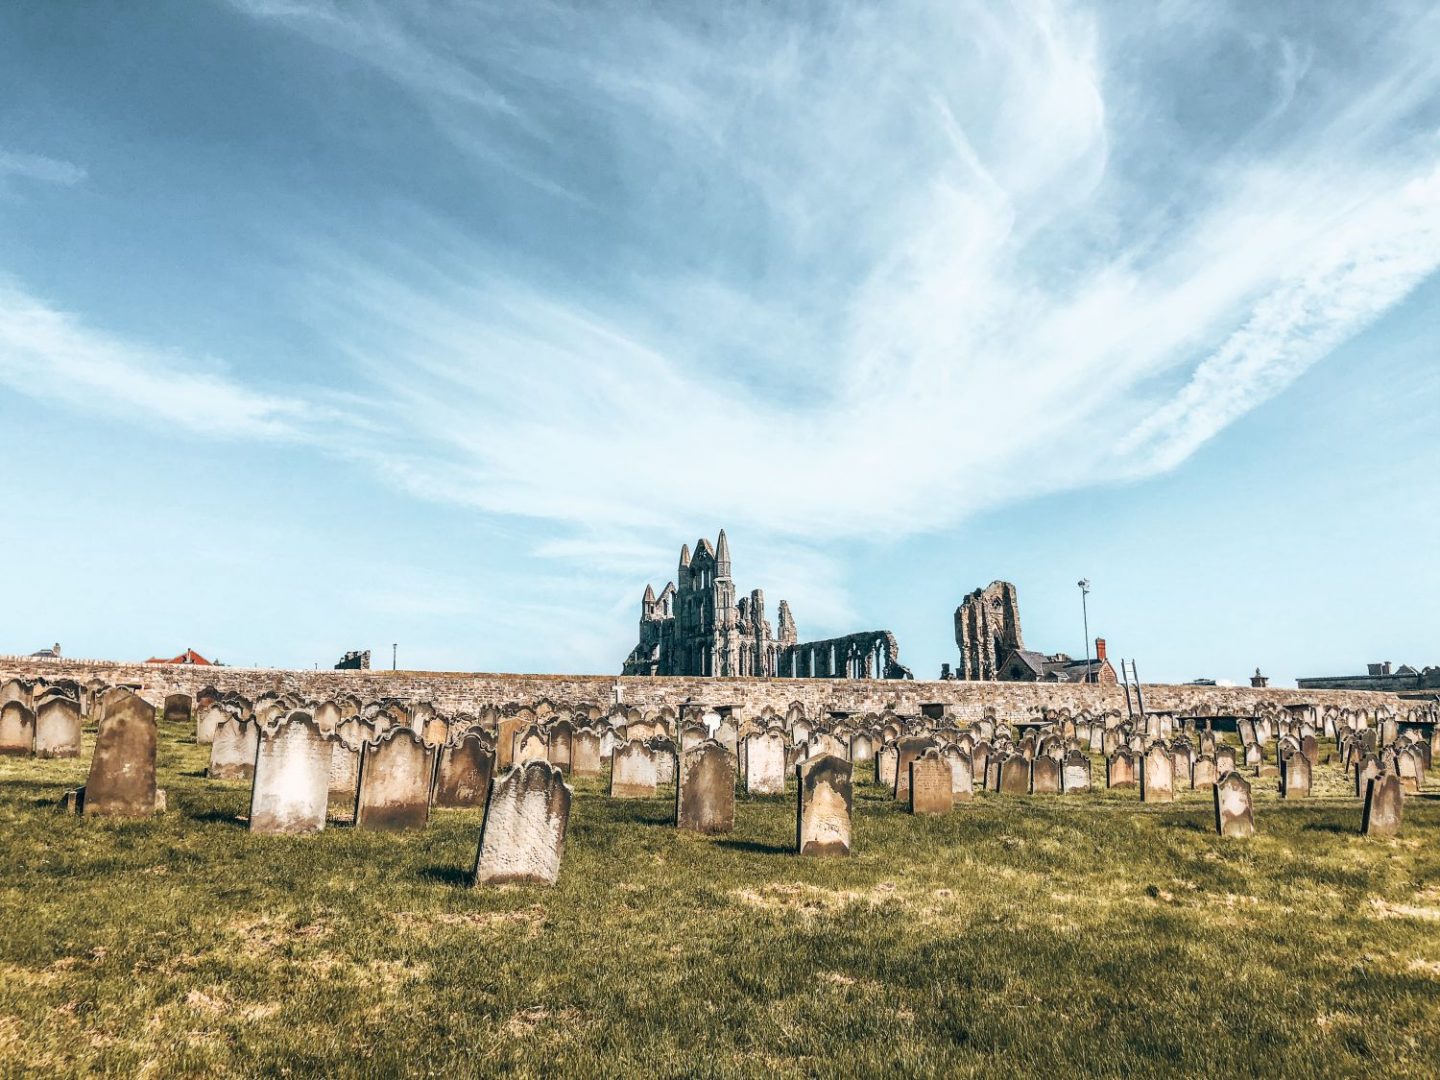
189 656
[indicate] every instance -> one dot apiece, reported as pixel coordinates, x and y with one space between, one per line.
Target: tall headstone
1014 776
232 753
632 771
562 745
666 757
463 778
57 728
962 774
908 749
1295 776
122 771
930 790
824 805
395 774
585 759
862 747
531 745
1075 773
705 789
1384 805
292 778
1157 776
523 838
885 766
765 763
350 736
17 729
1234 808
1204 774
1044 776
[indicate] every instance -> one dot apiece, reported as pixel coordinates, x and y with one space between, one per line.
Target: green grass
1073 934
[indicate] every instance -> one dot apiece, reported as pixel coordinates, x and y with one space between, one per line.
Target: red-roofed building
189 656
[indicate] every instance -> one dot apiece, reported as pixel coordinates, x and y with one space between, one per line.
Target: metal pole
394 647
1084 584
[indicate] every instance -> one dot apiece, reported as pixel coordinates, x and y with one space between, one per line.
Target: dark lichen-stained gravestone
396 770
1384 806
177 708
291 788
930 790
121 782
705 789
523 838
824 804
1234 809
463 778
17 729
632 771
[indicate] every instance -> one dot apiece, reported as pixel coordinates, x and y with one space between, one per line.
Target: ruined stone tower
987 630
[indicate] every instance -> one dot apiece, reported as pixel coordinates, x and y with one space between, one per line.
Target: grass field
1060 934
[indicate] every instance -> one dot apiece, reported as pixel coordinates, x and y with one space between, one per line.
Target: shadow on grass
1327 827
755 847
223 817
453 876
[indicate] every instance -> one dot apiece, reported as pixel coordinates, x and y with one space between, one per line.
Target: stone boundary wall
454 691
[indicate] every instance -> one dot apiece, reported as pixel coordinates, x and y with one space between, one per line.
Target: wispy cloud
14 163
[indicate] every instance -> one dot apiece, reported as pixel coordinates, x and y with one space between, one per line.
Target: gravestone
662 749
177 708
1205 773
1234 809
1075 773
463 777
396 771
962 772
523 838
930 790
562 745
327 717
122 771
17 729
57 728
1384 805
349 740
1295 778
531 745
1120 769
632 771
979 759
292 778
1311 749
1014 776
765 763
862 747
824 803
509 727
1366 769
232 754
885 766
207 720
1254 755
705 789
907 750
585 759
1044 775
1157 776
727 734
1409 766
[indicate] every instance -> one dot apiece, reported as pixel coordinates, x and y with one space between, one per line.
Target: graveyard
973 927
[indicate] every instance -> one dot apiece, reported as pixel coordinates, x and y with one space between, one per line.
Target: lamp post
393 648
1084 584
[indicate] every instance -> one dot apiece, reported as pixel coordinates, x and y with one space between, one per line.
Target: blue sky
325 326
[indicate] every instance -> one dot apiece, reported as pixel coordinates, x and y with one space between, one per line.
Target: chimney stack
1099 650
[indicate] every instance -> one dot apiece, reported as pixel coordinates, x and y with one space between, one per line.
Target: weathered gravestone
1075 772
930 789
1295 777
765 763
531 745
395 774
292 778
885 766
962 775
1014 776
632 771
523 838
1234 811
1157 776
908 749
350 738
206 722
509 728
705 789
122 771
1410 767
1044 776
232 753
327 717
693 735
1120 769
585 759
662 749
862 747
177 708
1205 773
1384 804
562 745
824 805
1366 769
57 728
17 729
463 777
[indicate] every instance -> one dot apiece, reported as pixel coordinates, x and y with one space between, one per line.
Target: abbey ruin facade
697 626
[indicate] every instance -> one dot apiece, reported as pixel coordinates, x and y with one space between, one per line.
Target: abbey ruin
696 626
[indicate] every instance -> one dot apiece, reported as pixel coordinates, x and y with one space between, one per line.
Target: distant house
1026 665
1403 680
189 656
52 653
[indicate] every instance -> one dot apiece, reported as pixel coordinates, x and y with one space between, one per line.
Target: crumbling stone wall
987 630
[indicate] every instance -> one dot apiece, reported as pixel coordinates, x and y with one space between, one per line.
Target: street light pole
393 648
1084 584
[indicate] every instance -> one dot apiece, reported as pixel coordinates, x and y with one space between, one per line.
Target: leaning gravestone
1045 776
1234 808
523 838
585 752
122 771
765 763
463 778
1384 803
232 754
1295 776
825 802
394 789
1075 772
292 778
930 789
1157 776
17 729
705 789
177 708
57 728
632 771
